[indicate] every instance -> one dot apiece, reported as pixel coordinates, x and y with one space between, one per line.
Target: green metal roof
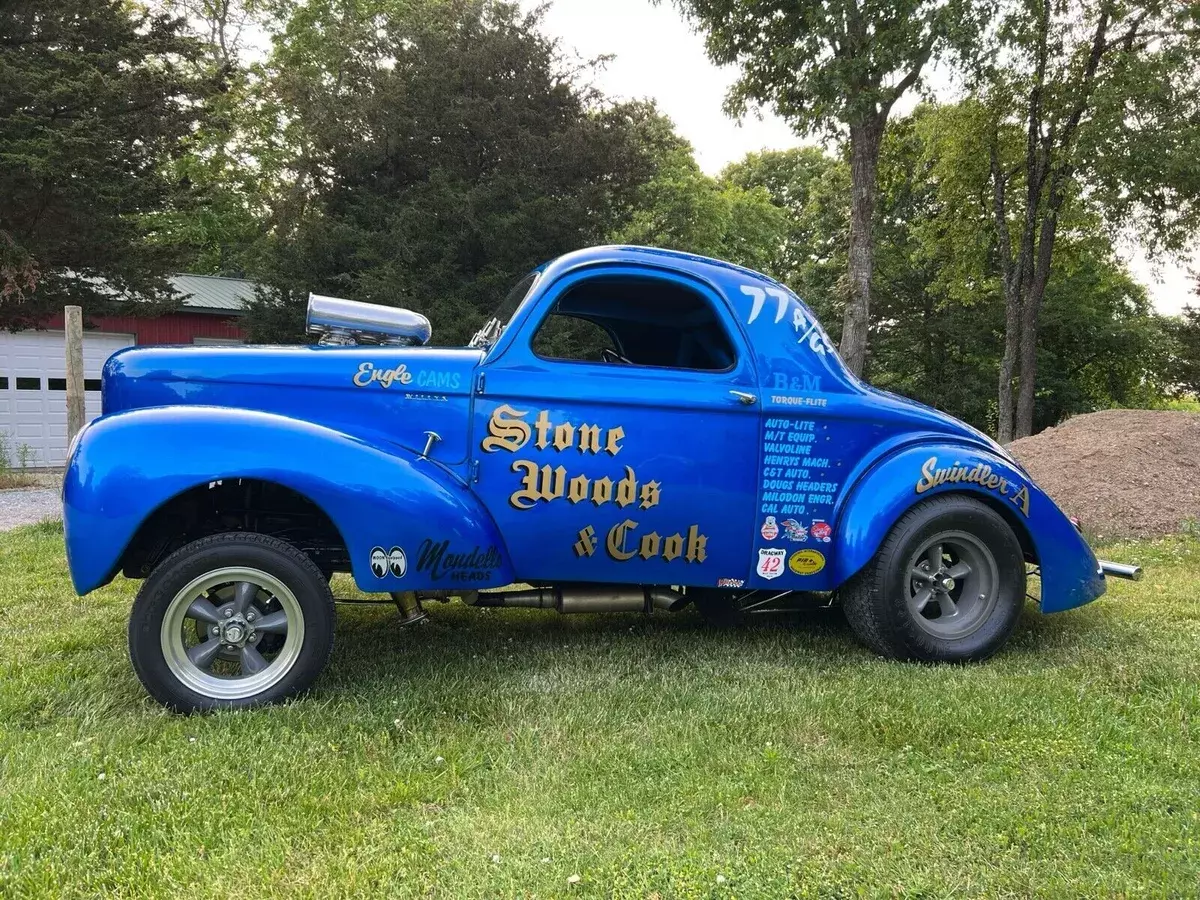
213 292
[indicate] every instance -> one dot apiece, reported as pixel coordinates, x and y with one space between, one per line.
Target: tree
684 209
227 167
936 334
437 152
94 99
836 68
1183 367
812 189
1087 104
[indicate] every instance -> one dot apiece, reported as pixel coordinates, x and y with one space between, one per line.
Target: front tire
231 621
947 585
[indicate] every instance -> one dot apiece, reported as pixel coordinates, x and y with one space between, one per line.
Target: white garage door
33 388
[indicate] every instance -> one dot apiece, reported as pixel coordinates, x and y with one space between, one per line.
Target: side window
569 337
632 321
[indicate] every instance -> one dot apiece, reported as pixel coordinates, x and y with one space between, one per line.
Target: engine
347 322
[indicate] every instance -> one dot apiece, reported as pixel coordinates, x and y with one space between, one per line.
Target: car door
616 471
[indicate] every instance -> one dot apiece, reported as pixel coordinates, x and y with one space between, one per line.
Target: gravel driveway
29 506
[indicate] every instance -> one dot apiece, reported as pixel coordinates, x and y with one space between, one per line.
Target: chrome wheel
953 585
232 633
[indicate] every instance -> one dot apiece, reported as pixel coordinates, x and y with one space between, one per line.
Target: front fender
1069 570
127 465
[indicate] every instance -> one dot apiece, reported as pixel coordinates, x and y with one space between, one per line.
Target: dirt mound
1122 472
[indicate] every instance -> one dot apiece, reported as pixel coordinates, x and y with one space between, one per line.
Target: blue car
634 430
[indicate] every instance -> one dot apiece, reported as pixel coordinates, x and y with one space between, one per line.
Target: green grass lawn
499 753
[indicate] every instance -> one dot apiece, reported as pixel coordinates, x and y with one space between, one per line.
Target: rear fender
1069 571
127 465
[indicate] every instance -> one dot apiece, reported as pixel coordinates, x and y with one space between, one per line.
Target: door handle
744 398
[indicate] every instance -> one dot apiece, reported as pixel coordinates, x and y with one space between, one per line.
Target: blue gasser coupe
635 429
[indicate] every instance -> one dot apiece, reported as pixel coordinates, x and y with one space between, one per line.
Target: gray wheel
954 584
231 620
946 585
229 607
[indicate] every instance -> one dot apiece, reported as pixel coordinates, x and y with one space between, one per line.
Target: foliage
836 68
475 157
939 302
813 190
11 477
498 753
233 165
1182 368
683 209
1089 108
95 97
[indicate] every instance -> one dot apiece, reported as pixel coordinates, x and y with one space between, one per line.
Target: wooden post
73 319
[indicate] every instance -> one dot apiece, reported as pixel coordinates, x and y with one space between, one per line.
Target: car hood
382 394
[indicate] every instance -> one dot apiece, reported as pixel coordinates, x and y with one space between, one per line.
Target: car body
720 445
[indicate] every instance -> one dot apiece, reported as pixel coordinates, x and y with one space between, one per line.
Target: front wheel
947 585
230 621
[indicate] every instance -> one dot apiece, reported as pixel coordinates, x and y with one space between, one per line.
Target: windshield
491 331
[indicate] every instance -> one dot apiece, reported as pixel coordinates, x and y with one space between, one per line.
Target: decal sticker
730 582
806 562
397 562
759 296
436 558
784 400
510 430
781 381
368 374
981 474
821 531
770 562
809 330
769 529
622 545
442 380
794 531
379 562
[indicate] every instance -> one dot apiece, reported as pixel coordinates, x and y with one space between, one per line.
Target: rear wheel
233 620
947 584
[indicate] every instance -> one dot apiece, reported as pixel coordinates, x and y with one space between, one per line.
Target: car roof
628 253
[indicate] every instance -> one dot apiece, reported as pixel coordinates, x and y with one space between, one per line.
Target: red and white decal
769 529
770 562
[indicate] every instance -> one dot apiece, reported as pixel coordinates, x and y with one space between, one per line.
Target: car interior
635 322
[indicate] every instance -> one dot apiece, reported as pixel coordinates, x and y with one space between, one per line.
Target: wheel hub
221 608
952 584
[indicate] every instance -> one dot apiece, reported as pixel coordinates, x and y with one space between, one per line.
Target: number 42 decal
809 332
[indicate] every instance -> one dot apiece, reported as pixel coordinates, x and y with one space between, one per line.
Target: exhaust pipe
1121 570
585 599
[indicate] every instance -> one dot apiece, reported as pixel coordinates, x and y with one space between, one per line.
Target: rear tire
947 584
231 621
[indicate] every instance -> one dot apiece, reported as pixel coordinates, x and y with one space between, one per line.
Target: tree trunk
864 162
1008 362
1031 310
1023 426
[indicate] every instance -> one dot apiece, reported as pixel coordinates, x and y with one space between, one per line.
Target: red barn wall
173 328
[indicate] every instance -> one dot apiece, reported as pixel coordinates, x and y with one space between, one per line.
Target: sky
656 54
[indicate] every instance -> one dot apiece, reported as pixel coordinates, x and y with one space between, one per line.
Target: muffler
585 599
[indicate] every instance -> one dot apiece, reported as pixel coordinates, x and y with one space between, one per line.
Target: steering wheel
609 355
